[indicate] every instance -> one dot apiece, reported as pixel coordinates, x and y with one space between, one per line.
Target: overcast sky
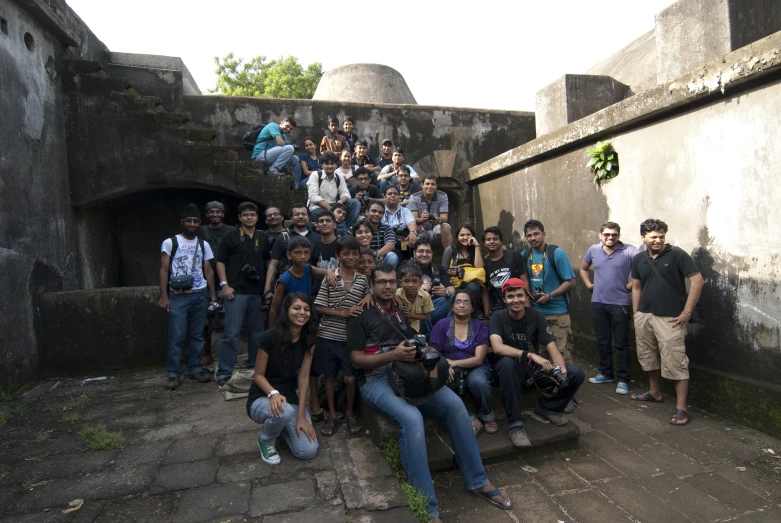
487 54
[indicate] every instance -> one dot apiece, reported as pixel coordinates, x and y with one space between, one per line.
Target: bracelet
342 313
524 356
272 393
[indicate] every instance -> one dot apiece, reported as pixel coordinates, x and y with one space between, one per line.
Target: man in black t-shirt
375 339
323 254
661 312
516 334
212 233
500 265
241 266
299 215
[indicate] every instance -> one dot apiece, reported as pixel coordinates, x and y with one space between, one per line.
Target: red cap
514 283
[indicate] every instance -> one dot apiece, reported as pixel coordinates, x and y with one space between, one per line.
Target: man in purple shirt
611 302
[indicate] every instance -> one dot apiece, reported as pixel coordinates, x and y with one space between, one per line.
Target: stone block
142 508
572 97
282 497
319 515
642 505
212 503
589 506
190 449
373 494
185 476
237 443
57 466
356 459
242 467
147 453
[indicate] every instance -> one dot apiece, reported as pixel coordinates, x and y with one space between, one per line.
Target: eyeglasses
383 283
270 214
462 302
609 234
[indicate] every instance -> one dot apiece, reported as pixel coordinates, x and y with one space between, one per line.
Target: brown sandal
477 426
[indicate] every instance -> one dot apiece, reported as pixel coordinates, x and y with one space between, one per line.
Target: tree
282 78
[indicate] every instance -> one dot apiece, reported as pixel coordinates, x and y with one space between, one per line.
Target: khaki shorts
562 329
657 339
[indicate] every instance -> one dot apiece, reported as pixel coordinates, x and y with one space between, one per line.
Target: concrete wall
38 249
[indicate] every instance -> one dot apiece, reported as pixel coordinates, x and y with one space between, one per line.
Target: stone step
172 118
218 152
90 84
84 66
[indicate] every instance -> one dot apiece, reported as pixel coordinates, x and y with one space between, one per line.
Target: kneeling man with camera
516 334
399 376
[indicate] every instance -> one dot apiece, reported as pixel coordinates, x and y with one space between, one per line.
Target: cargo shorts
661 346
562 329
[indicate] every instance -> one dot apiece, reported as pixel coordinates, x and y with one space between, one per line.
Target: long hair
282 328
457 246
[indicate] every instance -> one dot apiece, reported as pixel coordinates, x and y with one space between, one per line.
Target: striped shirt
334 327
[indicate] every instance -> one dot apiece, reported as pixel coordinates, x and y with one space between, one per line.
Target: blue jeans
299 444
478 381
241 305
281 156
186 320
353 212
392 258
612 321
444 406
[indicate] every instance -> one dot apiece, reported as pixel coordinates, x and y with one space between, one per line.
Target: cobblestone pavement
190 456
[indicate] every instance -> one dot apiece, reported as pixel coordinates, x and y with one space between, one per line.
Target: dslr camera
556 374
401 231
250 272
459 381
433 217
423 353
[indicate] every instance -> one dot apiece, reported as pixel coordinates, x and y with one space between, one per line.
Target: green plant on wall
603 162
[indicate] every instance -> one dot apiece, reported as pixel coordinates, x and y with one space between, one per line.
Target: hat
191 211
386 140
215 205
514 283
411 382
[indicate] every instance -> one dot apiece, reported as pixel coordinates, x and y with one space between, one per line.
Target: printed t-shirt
182 262
528 333
510 265
542 276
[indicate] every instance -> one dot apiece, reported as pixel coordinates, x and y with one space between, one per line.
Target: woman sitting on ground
347 168
283 363
364 232
465 251
311 161
463 340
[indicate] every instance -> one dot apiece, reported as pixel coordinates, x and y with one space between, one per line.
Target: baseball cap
386 140
514 283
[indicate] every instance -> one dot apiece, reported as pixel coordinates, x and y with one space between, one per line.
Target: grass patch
98 438
3 418
73 417
14 390
80 401
42 436
415 498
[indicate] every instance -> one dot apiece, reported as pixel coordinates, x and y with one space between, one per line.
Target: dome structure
367 83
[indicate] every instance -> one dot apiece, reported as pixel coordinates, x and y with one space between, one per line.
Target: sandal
680 418
491 427
646 396
353 425
317 416
491 494
329 427
477 426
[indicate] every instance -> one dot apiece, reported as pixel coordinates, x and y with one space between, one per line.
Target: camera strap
394 319
452 332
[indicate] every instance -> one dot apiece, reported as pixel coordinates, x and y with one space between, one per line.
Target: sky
488 54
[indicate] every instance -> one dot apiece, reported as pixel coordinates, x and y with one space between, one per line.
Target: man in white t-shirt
185 275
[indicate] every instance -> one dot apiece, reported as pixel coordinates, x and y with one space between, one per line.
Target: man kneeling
376 339
516 334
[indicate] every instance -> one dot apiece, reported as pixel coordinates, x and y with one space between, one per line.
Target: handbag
697 315
185 282
470 274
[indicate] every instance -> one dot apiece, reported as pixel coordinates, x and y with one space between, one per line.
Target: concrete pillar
575 96
691 33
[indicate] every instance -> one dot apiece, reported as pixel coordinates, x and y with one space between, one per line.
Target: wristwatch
223 283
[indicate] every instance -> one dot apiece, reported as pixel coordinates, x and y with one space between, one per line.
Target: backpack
175 247
250 138
320 182
550 251
283 264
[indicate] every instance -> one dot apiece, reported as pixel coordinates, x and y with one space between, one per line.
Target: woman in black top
284 361
465 251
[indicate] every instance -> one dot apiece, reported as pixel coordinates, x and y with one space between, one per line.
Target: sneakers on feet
571 406
268 453
622 388
173 383
601 378
519 438
554 417
201 377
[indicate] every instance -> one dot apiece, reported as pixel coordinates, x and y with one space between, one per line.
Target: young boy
340 215
366 262
333 141
337 305
363 191
298 278
416 302
348 133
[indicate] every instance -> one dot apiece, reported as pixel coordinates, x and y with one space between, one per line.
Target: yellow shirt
421 305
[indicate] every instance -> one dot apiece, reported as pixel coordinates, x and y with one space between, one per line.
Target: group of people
350 292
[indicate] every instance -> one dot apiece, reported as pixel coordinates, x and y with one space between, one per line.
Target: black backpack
320 182
550 251
250 138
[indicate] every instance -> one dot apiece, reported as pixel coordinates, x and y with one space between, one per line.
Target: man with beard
442 292
384 239
500 265
276 225
430 209
213 233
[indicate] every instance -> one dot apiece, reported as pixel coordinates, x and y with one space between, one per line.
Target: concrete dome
368 83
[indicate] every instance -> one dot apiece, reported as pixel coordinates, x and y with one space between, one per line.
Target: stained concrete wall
38 249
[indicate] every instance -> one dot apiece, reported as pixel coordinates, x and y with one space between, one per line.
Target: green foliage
282 78
603 162
415 498
73 417
79 402
98 438
3 418
14 390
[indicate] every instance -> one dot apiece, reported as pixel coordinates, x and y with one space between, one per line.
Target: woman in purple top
463 340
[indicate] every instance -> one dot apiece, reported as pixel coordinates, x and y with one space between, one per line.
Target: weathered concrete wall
708 166
38 250
156 62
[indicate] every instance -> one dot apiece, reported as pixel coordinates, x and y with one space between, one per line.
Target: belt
189 291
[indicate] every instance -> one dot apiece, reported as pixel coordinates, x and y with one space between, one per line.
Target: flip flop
646 396
682 417
329 427
353 425
317 416
491 427
489 495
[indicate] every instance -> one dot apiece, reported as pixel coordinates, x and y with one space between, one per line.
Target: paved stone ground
190 456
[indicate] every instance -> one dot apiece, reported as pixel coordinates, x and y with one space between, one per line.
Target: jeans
241 305
478 381
281 156
512 375
186 319
353 212
392 258
444 406
612 321
475 291
299 444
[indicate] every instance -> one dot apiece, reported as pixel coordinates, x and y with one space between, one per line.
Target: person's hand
359 195
164 302
227 292
426 286
405 308
451 374
277 405
543 298
452 271
682 319
366 302
424 215
398 301
439 290
590 287
473 242
539 360
354 311
330 278
403 353
303 425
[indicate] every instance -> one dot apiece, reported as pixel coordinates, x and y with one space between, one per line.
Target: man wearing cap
386 155
212 233
516 334
376 339
186 257
387 175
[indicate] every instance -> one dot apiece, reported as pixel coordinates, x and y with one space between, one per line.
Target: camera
458 385
250 272
460 273
433 217
423 353
436 282
401 231
267 303
556 374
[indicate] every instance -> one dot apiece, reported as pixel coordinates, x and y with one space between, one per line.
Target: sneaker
201 377
173 383
268 453
222 381
571 406
622 388
554 417
519 438
601 378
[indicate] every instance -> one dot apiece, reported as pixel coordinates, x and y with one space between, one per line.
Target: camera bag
183 282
